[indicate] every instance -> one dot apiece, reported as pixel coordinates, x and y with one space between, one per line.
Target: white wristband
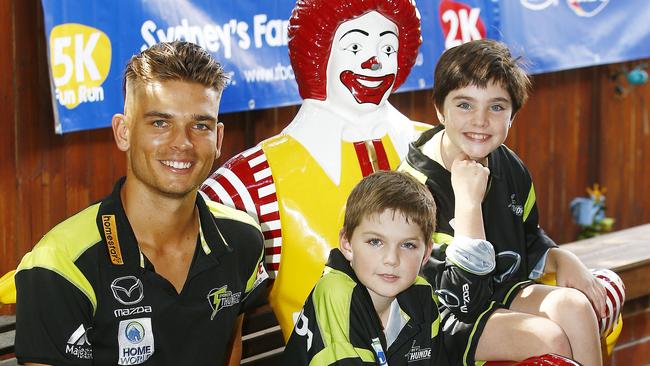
472 255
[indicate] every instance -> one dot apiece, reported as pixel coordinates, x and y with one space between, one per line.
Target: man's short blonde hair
390 190
176 60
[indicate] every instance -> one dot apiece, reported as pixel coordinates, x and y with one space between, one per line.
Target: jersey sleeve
53 316
255 292
465 294
329 330
537 242
245 182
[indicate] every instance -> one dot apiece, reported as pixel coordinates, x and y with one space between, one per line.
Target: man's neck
158 220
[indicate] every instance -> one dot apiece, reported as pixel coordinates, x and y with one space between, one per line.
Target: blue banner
565 34
90 42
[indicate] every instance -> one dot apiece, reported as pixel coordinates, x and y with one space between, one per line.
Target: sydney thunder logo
220 298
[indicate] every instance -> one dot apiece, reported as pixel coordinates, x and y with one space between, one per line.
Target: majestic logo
516 208
112 242
417 353
135 340
127 290
511 261
587 8
538 4
379 351
78 344
220 298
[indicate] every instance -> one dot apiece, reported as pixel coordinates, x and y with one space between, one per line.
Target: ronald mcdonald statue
348 57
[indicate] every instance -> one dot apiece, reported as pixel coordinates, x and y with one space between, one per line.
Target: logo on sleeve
508 265
128 290
78 344
515 206
302 327
220 298
135 340
260 275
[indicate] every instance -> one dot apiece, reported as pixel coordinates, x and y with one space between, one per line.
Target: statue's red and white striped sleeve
245 182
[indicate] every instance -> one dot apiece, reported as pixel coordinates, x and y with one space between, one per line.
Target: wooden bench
626 252
7 335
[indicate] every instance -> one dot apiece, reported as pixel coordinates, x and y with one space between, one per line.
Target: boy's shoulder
506 161
334 287
421 289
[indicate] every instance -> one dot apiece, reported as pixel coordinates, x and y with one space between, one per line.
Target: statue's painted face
363 63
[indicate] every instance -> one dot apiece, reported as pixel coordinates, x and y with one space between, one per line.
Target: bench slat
618 251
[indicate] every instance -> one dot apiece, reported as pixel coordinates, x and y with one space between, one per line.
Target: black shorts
461 339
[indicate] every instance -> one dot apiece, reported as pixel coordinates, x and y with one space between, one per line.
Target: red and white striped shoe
615 299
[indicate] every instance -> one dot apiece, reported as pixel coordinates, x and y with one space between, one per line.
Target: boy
479 87
370 306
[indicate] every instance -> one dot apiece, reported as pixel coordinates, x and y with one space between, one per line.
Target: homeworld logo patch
78 344
417 353
516 208
220 298
135 340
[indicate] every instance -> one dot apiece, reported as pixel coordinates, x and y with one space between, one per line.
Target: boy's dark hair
390 190
176 60
478 63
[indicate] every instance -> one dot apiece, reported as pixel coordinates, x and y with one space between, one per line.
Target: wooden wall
573 132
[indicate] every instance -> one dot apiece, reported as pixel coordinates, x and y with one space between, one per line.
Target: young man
348 58
152 273
385 240
479 87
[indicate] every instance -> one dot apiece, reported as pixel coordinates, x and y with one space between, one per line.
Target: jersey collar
122 247
417 159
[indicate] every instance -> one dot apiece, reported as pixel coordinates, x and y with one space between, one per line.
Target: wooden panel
8 221
625 150
573 132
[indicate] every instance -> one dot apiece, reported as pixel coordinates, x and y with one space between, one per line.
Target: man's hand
570 272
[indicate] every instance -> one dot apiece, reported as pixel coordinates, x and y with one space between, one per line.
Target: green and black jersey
339 324
87 295
510 219
509 208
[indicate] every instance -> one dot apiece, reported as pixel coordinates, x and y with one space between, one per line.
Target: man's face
173 135
386 252
476 120
363 63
